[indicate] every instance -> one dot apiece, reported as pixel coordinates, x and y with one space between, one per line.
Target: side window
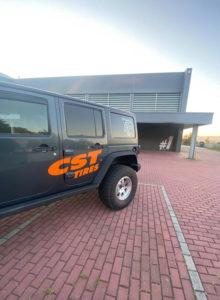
122 126
98 123
79 120
83 121
23 118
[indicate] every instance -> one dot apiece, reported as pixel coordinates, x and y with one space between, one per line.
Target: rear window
23 118
122 126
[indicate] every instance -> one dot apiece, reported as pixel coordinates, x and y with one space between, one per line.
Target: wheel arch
126 158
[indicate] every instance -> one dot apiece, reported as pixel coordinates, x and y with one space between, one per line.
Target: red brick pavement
82 250
10 223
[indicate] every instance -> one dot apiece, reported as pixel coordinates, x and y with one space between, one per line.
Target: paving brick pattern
82 250
193 187
7 224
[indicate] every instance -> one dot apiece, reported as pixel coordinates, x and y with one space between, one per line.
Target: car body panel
37 169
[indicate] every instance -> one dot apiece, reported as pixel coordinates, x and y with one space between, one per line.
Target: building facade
159 101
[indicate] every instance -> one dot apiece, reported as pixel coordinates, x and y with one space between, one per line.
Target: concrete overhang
187 119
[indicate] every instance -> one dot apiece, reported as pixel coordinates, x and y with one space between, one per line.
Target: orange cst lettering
55 168
78 162
94 155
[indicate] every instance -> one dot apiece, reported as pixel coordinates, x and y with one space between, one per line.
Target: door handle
96 146
68 152
44 148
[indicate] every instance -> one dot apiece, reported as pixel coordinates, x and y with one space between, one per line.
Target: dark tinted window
79 120
122 126
98 122
23 118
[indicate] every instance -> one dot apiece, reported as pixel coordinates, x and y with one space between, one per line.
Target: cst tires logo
76 164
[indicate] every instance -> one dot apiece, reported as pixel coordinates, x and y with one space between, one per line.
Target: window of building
122 126
23 118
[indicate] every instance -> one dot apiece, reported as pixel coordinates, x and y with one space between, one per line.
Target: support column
179 140
193 141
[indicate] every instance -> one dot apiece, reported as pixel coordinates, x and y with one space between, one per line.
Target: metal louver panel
168 102
78 96
99 98
144 102
120 101
156 102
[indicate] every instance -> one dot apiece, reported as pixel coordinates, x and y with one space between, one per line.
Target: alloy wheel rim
123 188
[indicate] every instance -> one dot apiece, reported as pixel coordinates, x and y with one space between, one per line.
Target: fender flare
108 161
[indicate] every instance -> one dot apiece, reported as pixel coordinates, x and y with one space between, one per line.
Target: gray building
159 101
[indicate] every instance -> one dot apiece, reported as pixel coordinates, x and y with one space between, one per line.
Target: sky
89 37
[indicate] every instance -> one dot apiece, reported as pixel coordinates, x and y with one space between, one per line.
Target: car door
84 141
28 145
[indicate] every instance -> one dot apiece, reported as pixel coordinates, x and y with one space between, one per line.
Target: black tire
107 189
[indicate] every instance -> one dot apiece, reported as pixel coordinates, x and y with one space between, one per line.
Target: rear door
28 145
84 141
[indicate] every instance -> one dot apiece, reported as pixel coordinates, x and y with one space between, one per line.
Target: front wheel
118 187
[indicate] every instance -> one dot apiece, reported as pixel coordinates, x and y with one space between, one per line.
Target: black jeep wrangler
53 146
